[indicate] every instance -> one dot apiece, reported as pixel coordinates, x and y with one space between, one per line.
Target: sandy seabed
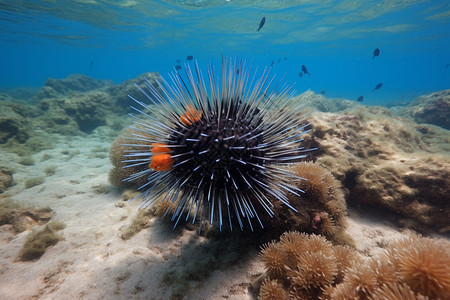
93 261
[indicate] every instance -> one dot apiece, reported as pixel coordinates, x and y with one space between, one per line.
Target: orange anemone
161 162
191 115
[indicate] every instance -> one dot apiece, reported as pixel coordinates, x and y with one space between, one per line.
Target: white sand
93 261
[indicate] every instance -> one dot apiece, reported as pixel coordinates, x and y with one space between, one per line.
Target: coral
423 264
322 205
272 290
39 240
395 292
309 267
118 174
303 263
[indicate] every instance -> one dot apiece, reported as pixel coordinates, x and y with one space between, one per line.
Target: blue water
120 40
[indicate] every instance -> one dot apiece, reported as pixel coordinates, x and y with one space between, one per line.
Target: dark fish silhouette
360 98
323 92
178 67
91 65
300 74
178 61
447 65
305 70
189 57
285 58
376 52
261 24
279 60
378 86
272 63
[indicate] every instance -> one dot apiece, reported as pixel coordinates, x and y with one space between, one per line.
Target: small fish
285 58
91 65
300 74
323 92
376 52
360 98
178 61
279 60
261 24
272 63
189 57
178 67
378 86
447 65
305 70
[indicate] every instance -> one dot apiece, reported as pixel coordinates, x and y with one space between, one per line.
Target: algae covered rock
75 83
6 179
119 93
432 108
12 125
388 164
81 112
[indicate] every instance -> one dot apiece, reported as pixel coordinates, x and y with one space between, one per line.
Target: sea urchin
217 149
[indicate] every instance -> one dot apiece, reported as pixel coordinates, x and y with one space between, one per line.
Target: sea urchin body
217 149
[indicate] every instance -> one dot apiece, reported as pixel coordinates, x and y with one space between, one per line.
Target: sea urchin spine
217 148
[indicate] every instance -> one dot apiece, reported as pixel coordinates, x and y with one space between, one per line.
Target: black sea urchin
217 148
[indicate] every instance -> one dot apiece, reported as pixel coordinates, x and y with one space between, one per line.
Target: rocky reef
433 109
387 163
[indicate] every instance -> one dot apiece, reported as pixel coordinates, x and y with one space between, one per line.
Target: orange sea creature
161 162
160 148
191 115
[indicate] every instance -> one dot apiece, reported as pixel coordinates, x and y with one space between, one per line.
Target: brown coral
424 264
323 198
272 290
116 154
395 292
274 260
313 271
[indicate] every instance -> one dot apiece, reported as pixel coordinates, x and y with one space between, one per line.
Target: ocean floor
393 165
92 261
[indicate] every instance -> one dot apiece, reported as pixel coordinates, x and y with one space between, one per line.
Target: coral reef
387 163
310 267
